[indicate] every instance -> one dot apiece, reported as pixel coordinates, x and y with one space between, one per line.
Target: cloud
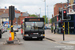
32 6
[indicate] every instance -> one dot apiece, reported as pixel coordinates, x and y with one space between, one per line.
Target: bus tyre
0 35
41 39
24 38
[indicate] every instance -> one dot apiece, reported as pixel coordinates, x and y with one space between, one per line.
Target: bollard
10 41
21 31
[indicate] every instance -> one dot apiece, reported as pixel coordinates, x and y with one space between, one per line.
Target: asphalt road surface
33 44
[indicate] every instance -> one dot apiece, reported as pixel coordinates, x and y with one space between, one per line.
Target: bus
33 28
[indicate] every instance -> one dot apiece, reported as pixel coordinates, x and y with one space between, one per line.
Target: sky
32 6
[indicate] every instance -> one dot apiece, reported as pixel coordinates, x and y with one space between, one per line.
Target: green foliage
46 19
33 15
50 20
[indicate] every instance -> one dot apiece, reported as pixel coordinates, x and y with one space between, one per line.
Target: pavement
69 39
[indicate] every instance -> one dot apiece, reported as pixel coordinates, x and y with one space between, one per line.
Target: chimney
21 13
52 15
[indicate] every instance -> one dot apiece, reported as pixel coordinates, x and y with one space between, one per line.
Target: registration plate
35 33
34 37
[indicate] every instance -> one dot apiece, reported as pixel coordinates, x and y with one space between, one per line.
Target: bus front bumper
37 37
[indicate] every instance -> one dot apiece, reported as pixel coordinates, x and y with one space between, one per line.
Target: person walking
51 29
54 29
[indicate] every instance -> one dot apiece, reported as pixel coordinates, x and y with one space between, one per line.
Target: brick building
58 6
19 16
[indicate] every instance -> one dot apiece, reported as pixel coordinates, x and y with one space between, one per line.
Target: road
33 44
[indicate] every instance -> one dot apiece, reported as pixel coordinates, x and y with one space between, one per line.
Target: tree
46 19
50 20
33 15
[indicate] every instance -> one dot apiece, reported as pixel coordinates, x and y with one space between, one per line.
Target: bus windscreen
34 25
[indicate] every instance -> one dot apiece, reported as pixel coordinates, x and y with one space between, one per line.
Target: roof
4 10
1 10
61 3
5 15
25 14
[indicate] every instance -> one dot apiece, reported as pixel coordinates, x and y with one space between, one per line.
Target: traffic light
65 14
11 12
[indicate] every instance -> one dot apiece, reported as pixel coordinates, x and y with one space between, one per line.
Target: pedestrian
51 29
54 29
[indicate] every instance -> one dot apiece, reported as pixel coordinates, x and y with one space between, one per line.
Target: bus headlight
42 34
26 35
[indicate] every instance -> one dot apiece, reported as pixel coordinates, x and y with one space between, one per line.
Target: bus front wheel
0 35
41 39
24 38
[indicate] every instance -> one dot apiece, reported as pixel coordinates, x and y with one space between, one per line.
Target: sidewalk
59 37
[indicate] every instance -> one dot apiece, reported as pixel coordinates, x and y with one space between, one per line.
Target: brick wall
14 21
19 20
57 6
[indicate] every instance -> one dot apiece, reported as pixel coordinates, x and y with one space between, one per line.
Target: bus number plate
35 33
34 37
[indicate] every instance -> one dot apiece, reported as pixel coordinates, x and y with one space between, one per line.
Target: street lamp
45 11
68 5
40 12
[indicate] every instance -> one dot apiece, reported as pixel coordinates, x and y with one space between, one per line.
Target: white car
48 27
4 29
15 28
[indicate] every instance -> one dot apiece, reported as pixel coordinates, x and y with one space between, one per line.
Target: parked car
18 27
5 29
2 29
48 27
45 27
15 28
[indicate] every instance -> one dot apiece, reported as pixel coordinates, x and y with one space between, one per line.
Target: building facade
58 7
69 25
4 14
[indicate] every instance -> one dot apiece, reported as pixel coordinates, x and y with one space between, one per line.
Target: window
64 6
6 18
59 8
71 27
34 25
72 17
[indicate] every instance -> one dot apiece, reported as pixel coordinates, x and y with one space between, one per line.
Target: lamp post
74 6
45 11
40 12
68 5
